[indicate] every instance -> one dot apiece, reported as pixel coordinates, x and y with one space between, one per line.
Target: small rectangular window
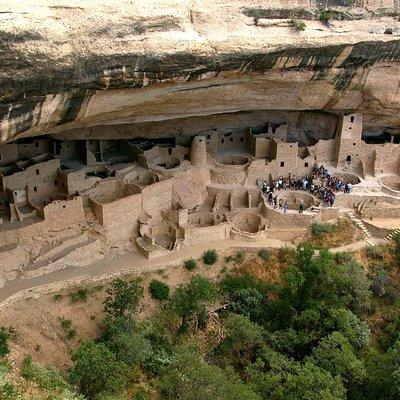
222 141
352 119
0 156
282 164
231 139
242 139
208 136
306 164
37 172
55 183
35 189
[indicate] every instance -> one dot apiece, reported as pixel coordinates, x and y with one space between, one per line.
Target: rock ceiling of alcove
67 64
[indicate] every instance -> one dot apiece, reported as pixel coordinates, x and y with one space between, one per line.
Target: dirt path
122 264
119 264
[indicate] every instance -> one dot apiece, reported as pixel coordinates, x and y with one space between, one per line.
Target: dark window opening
354 144
186 156
169 151
64 206
57 147
37 172
231 139
208 136
0 156
241 139
274 129
35 189
349 127
352 118
306 164
348 158
222 141
282 164
55 183
36 144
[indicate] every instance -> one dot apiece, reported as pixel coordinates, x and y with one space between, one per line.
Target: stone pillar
198 152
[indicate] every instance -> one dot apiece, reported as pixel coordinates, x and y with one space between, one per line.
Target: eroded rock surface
68 65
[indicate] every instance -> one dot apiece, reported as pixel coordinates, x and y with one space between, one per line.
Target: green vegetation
190 264
4 336
69 330
159 290
79 295
265 254
325 17
123 298
237 258
210 257
313 325
298 25
325 236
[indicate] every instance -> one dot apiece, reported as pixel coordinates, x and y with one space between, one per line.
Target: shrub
325 17
237 258
374 252
320 229
298 25
191 264
79 295
45 377
343 257
265 254
69 330
4 336
287 254
210 257
57 297
123 297
159 290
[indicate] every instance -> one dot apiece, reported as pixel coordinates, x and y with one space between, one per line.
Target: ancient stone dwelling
67 202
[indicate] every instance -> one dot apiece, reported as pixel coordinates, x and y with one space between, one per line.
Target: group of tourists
320 183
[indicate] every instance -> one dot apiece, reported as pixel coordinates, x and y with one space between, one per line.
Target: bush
45 377
374 252
320 229
298 25
210 257
123 298
4 336
237 258
69 330
325 17
79 295
191 264
159 290
265 254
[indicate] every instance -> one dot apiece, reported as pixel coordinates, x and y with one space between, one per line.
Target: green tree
349 325
243 340
249 302
96 370
127 343
277 377
159 290
189 301
4 336
191 378
336 355
123 298
383 374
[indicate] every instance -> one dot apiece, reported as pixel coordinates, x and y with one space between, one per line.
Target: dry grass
334 235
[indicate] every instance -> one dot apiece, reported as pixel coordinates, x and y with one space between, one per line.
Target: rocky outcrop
65 67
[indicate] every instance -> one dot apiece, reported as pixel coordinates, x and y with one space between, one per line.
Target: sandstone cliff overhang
67 65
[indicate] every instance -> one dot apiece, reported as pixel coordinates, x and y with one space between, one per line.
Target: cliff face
76 64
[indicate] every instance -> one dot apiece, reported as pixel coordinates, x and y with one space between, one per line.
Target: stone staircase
360 224
392 234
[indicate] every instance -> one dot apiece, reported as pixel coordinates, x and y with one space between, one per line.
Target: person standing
285 207
301 207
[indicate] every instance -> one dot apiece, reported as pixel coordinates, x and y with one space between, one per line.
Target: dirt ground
37 326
